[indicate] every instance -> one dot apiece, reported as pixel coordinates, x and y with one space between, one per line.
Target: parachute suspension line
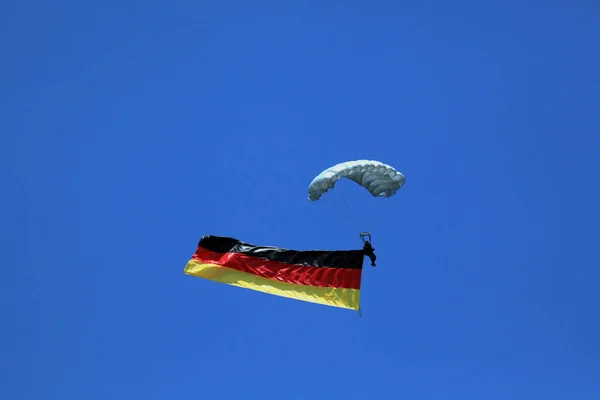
352 219
345 202
342 206
343 211
351 216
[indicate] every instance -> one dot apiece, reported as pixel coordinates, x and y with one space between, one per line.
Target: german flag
325 277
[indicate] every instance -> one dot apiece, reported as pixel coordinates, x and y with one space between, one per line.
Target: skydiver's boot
373 257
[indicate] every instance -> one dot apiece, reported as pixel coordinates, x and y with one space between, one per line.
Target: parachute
328 277
380 179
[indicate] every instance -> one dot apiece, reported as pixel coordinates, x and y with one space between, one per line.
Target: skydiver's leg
372 256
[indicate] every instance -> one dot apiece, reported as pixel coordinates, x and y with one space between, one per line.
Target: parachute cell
380 179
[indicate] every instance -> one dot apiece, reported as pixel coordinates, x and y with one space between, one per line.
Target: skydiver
370 252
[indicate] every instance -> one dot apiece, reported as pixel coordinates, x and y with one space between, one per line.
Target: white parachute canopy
380 179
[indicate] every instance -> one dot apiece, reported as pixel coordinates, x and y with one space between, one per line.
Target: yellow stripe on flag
336 297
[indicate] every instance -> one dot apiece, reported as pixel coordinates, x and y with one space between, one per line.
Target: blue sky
131 129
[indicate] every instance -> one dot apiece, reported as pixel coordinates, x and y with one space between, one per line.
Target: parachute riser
364 235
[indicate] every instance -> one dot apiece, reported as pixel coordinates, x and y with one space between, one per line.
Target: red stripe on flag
290 273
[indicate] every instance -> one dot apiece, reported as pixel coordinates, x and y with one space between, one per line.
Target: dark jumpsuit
370 252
